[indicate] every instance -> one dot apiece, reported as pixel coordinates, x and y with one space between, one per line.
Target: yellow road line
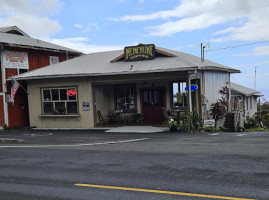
161 192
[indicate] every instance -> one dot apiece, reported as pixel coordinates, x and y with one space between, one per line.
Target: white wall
213 82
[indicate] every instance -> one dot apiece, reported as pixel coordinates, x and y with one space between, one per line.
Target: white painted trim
4 90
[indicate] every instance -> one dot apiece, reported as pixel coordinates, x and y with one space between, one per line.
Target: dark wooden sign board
140 52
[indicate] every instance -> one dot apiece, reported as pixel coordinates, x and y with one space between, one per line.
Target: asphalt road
233 166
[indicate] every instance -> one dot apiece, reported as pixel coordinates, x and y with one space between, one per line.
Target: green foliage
179 97
193 123
256 129
209 129
223 129
137 116
264 106
266 120
171 123
251 123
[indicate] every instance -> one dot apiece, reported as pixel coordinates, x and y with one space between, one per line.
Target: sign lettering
140 52
15 59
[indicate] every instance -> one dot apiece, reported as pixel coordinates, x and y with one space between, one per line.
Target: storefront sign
140 52
15 59
85 106
209 123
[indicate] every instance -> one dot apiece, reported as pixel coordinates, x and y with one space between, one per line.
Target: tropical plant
219 109
172 123
193 123
138 116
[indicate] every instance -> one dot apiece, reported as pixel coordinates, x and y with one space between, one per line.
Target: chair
166 116
112 116
101 119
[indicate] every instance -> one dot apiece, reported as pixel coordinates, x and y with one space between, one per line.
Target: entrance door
152 102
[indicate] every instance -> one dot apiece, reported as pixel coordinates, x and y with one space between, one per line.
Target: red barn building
21 53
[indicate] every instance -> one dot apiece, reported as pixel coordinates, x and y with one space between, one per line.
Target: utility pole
202 52
255 78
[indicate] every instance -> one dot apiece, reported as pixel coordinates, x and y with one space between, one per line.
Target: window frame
58 101
54 57
184 94
128 100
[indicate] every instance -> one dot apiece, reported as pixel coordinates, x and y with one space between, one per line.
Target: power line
242 45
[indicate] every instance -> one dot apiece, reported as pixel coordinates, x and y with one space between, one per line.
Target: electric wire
241 45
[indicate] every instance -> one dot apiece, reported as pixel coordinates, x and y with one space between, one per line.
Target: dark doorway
152 102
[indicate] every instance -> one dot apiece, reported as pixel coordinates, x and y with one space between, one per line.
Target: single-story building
248 96
81 92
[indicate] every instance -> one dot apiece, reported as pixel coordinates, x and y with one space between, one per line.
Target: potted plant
173 124
137 117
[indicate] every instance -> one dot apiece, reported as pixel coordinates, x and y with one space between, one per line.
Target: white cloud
82 44
257 51
249 18
91 27
78 26
32 16
184 25
261 63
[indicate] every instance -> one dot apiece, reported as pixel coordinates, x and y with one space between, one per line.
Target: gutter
99 74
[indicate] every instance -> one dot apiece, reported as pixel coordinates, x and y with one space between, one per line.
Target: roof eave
41 48
100 74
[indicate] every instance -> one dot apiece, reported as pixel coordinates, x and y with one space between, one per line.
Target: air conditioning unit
8 98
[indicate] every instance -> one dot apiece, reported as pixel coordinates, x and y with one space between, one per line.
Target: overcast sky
102 25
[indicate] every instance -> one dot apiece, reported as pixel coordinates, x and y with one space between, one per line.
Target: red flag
14 87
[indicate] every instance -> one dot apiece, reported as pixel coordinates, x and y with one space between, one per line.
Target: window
250 104
21 71
59 101
125 97
54 60
179 94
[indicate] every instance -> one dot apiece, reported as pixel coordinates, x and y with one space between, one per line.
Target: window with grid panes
56 101
125 97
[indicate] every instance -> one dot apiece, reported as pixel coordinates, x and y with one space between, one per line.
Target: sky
235 32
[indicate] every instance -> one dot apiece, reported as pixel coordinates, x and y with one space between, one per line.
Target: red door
152 102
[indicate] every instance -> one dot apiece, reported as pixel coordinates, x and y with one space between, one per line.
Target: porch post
197 102
189 93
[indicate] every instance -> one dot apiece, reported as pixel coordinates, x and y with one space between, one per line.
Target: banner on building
15 60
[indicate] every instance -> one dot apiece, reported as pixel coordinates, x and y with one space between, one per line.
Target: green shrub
193 123
209 129
251 123
266 120
223 129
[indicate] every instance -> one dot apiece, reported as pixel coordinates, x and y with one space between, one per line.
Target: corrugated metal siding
213 83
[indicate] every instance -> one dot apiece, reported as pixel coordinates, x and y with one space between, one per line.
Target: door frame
151 88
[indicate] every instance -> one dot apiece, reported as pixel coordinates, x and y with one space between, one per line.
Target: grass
257 129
